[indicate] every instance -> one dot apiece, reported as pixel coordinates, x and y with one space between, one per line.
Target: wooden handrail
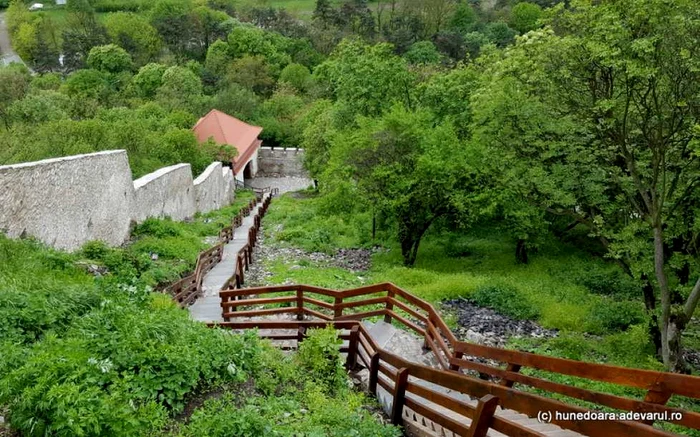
417 315
186 290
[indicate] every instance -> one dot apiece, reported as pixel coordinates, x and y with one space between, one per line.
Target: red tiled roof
225 129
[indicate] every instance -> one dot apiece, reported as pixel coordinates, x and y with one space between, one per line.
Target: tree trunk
521 252
671 327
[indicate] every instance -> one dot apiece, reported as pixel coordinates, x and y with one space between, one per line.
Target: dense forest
568 120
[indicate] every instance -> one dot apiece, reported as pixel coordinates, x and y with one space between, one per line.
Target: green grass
478 264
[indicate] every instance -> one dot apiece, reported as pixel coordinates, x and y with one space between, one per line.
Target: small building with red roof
225 129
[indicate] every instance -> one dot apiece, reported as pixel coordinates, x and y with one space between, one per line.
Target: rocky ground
485 326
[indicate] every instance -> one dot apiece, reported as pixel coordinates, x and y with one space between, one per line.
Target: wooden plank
435 334
410 310
360 316
409 324
363 302
317 314
684 385
441 399
319 303
257 313
362 291
443 362
267 301
439 418
258 290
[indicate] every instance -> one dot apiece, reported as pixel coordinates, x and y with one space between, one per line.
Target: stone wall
65 202
210 188
281 162
168 192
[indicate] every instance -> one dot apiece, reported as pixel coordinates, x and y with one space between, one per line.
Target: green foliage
499 33
524 17
422 52
109 59
148 80
135 34
319 355
614 316
297 76
506 300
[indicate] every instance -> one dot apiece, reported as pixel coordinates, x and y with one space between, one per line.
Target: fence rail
186 290
464 365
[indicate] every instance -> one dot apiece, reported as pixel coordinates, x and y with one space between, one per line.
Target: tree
181 89
368 79
14 83
134 34
410 169
525 16
208 25
464 18
109 59
422 52
41 107
238 101
251 41
599 123
171 18
297 76
253 73
147 81
82 33
499 33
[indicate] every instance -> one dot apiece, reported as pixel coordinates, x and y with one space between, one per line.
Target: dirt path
7 55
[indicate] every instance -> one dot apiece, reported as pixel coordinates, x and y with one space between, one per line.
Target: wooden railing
187 289
504 382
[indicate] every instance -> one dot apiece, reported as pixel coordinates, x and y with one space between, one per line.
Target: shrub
319 355
95 250
506 300
615 316
609 283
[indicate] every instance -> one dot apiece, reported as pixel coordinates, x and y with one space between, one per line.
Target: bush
319 356
506 300
609 283
610 316
456 248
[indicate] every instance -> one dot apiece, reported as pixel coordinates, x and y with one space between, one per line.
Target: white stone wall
167 192
280 162
209 188
68 201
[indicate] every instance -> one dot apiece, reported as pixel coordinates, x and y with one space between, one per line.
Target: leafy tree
14 83
296 75
81 34
324 12
464 19
451 44
218 58
238 101
171 18
253 73
448 96
16 14
109 59
86 84
369 79
181 89
278 116
525 16
41 107
473 42
251 41
410 169
149 78
422 52
134 34
599 124
499 33
208 25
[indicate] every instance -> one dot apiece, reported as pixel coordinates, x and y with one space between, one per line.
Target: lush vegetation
89 349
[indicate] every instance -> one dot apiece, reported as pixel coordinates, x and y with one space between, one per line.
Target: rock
93 269
488 327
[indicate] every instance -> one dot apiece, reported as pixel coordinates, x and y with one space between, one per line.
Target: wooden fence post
483 416
389 306
510 368
373 373
455 367
337 312
300 305
351 361
399 396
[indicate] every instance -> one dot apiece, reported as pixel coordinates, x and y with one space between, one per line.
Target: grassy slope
551 284
58 322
